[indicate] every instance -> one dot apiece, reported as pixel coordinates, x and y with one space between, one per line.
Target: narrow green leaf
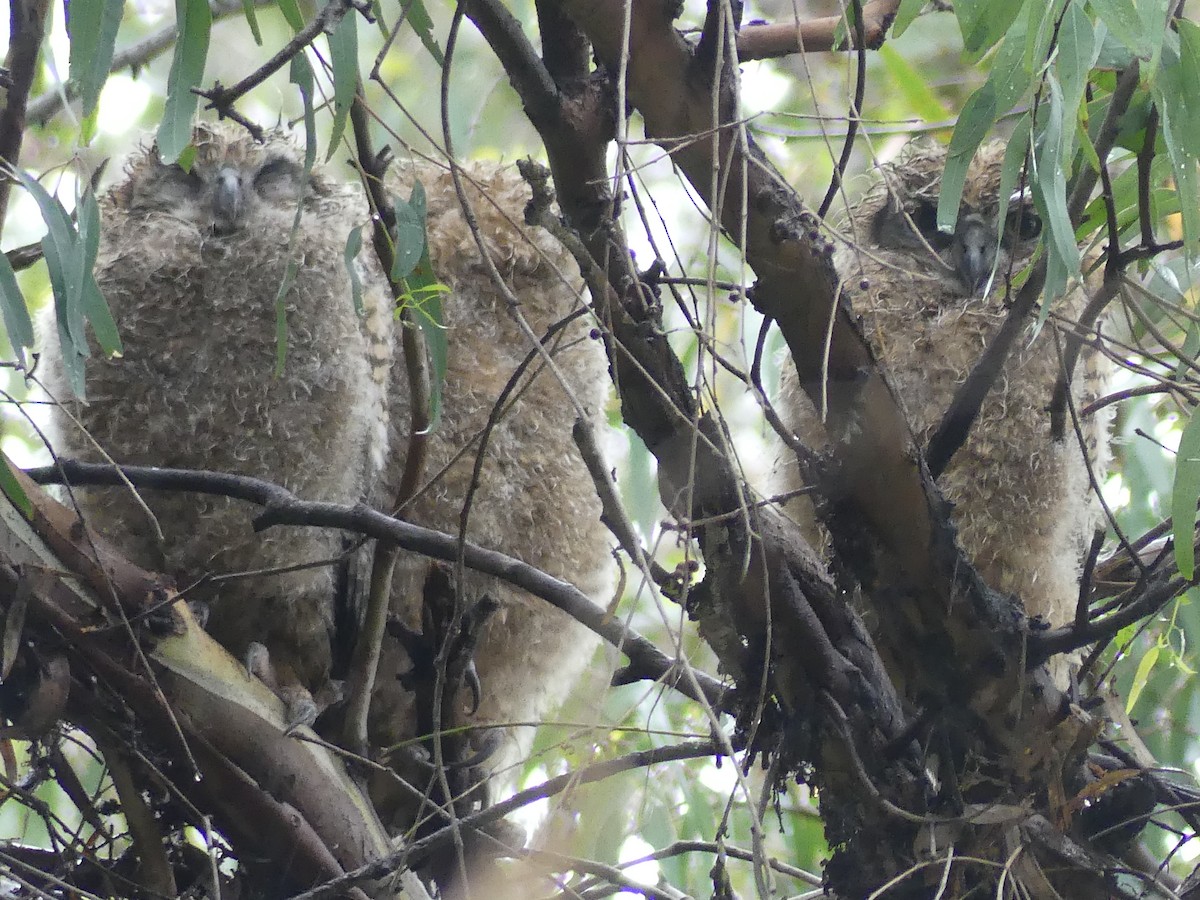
252 21
1049 189
1125 24
92 27
63 262
424 294
343 50
905 16
1008 80
291 14
1077 50
1142 676
1113 56
194 21
17 324
418 17
1010 173
12 488
1184 494
300 73
1188 84
353 247
410 239
984 22
1179 134
91 299
912 85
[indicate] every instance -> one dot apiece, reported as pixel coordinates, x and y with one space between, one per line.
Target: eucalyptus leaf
1125 24
905 16
343 50
418 18
1184 494
410 239
194 22
349 255
92 28
252 21
17 323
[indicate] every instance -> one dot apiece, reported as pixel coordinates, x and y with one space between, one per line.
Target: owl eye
1023 224
278 179
167 188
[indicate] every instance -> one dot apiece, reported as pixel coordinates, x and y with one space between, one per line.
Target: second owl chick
1022 501
191 263
534 499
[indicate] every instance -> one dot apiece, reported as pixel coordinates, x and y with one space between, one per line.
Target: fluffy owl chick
534 499
1021 501
191 263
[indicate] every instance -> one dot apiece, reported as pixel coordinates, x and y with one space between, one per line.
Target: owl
195 264
534 499
930 304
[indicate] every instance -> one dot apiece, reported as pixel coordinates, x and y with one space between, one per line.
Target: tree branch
769 40
281 507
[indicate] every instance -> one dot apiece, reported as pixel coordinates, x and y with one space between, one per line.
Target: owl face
905 218
233 182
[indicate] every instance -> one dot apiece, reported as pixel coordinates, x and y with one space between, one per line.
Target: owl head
233 183
901 214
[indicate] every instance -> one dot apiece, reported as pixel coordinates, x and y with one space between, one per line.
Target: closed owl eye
1022 224
171 187
278 179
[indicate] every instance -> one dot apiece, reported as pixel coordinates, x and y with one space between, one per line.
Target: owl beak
974 268
974 252
228 202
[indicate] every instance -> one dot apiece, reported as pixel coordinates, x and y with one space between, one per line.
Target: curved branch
281 507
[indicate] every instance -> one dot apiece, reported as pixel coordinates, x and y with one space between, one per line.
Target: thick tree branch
275 797
767 40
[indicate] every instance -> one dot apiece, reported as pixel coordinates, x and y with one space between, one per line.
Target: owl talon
300 707
471 677
258 664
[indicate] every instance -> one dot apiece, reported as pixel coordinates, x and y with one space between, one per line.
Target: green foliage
343 50
194 20
17 324
92 26
70 255
420 290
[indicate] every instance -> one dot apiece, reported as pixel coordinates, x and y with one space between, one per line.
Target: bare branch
281 507
767 40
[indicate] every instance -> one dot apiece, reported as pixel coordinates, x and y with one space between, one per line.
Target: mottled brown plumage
535 500
1022 501
191 264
